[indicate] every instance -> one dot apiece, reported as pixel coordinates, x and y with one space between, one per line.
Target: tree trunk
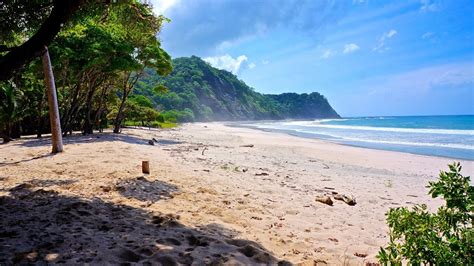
127 89
119 118
87 128
6 135
57 139
39 121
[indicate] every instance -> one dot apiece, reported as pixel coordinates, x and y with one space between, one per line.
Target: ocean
445 136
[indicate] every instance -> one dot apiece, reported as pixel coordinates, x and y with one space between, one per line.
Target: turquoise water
446 136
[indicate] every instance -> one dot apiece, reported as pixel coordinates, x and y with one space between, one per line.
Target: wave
389 129
301 123
408 143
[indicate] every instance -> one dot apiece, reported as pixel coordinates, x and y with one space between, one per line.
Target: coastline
214 183
382 146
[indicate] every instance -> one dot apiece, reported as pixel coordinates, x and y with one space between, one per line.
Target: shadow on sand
78 138
26 160
144 190
39 225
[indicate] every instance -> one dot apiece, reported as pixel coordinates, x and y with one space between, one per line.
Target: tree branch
19 56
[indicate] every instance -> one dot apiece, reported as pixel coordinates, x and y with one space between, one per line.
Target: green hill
200 92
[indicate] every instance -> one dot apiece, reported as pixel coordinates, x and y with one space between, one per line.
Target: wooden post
145 167
56 135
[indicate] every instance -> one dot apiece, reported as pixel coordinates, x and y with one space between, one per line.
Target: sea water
446 136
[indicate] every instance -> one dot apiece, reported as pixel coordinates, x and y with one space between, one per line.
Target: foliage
186 115
97 58
442 238
205 93
8 108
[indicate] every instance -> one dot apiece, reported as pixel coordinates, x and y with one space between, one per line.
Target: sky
369 58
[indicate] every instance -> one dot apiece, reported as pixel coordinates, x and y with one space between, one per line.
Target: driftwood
247 146
324 199
349 200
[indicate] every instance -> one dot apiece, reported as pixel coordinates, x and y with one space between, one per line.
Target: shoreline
368 146
213 189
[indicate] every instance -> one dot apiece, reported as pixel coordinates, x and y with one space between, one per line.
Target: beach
216 194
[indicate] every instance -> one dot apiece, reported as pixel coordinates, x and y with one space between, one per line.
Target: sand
215 195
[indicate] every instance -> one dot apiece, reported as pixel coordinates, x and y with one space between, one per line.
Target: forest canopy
98 55
200 92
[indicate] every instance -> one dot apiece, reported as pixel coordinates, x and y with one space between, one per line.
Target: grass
165 124
168 124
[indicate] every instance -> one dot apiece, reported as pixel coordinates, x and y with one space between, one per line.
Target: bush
155 124
442 238
174 116
160 118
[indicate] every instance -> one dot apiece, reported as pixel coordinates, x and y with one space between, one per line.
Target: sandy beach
215 195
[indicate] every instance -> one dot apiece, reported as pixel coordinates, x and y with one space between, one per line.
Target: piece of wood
348 200
247 146
56 135
324 199
145 167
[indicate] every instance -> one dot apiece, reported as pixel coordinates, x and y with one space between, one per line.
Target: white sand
201 195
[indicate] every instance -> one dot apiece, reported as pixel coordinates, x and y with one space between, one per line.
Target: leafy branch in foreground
443 238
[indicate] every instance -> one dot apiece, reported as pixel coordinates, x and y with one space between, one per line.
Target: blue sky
367 57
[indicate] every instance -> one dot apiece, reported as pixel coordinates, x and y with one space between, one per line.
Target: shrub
174 116
160 118
155 124
442 238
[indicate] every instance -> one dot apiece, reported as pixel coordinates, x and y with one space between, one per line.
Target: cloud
227 62
327 54
429 6
252 65
350 48
265 62
207 27
161 6
381 43
390 34
427 35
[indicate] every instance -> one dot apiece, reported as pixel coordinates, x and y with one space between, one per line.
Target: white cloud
381 43
265 62
350 48
252 65
327 53
428 6
161 6
427 35
391 33
227 62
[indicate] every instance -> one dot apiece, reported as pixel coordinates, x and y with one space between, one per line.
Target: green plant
442 238
8 109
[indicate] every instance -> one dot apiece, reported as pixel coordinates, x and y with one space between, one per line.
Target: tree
101 55
95 56
8 109
56 136
18 16
147 54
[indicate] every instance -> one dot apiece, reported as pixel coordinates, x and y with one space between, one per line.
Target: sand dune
215 195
